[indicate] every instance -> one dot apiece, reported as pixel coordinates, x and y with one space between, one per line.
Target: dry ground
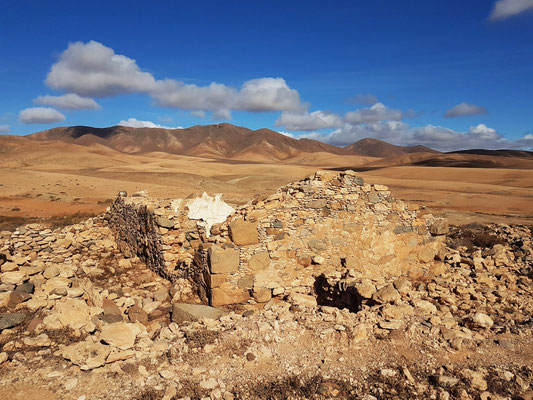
54 179
50 180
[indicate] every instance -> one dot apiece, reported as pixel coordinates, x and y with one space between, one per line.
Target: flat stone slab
182 312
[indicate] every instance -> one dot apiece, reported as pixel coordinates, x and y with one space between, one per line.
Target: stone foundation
330 224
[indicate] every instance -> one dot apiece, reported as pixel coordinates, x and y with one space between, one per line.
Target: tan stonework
331 222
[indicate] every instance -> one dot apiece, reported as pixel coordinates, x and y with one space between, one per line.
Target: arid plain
43 179
456 325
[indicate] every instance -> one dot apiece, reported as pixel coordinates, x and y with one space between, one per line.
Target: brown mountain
455 160
379 148
211 141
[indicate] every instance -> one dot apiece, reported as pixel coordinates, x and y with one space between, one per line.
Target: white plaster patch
210 210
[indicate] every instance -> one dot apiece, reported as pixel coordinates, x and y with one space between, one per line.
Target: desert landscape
283 200
86 299
66 171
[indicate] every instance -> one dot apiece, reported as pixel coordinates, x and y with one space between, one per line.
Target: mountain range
229 142
210 141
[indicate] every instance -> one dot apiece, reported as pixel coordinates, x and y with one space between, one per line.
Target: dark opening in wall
336 294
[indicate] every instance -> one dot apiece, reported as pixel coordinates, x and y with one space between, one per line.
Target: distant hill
454 160
501 153
379 148
211 141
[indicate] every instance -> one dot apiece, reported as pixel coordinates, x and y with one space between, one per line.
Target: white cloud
479 136
305 121
482 131
267 94
94 70
70 101
291 135
465 109
4 128
311 135
508 8
135 123
172 93
40 115
437 137
525 143
378 112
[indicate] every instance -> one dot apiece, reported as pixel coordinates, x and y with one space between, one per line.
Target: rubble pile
279 244
82 319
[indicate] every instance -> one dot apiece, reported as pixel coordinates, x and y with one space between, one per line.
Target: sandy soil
464 195
50 179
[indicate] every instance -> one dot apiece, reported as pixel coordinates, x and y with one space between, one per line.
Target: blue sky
454 74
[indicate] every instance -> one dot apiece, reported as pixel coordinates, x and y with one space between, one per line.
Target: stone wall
136 233
278 245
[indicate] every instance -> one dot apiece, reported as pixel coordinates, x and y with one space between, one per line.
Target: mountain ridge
379 148
220 140
231 142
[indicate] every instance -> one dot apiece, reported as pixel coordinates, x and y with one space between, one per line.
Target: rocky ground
79 321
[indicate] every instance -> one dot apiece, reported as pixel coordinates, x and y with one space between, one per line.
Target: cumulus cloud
378 112
70 101
364 98
305 121
135 123
172 93
437 137
267 94
40 115
4 128
95 70
525 143
507 8
256 95
465 109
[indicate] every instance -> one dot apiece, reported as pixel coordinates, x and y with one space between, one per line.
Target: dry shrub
473 236
198 339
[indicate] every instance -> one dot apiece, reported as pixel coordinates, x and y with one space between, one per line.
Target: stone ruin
288 244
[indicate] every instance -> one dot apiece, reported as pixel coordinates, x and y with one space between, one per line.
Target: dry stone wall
136 233
330 224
